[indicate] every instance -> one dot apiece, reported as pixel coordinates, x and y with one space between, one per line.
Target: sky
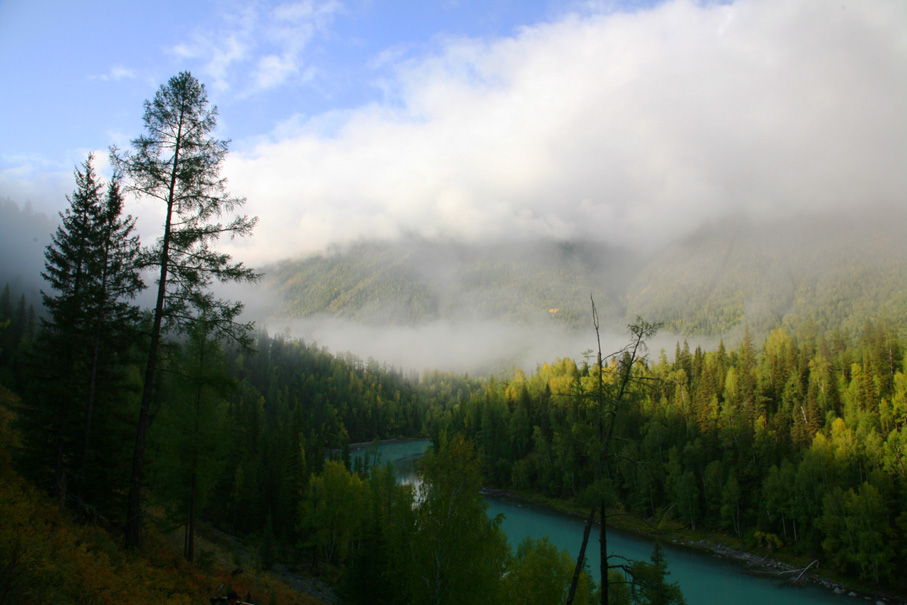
629 122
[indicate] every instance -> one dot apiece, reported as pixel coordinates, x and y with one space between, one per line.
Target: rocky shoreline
754 564
766 566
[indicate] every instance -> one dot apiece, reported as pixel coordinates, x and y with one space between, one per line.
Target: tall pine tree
177 162
79 357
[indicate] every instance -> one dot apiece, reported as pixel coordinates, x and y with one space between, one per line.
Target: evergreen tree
649 585
92 277
191 445
177 162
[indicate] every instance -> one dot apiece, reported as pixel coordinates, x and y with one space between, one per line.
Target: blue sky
634 122
82 69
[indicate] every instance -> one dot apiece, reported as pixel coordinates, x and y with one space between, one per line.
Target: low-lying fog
477 347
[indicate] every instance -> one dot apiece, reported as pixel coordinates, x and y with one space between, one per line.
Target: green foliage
540 574
80 363
796 444
418 281
796 440
48 558
333 513
189 441
379 570
177 163
858 533
18 329
649 585
830 272
458 553
825 272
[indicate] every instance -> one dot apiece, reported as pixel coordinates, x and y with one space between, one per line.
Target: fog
24 234
478 347
629 128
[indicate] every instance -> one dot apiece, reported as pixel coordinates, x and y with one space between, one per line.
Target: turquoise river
704 579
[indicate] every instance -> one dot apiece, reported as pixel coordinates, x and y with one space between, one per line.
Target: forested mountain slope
414 282
834 271
837 272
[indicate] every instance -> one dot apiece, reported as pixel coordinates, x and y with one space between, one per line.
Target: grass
46 556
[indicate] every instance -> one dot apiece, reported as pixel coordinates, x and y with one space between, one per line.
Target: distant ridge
821 272
827 273
415 281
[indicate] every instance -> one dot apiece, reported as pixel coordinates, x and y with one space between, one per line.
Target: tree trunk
190 523
580 560
640 331
134 509
603 541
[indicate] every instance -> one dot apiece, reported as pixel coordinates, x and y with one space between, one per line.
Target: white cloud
274 70
117 73
256 48
631 127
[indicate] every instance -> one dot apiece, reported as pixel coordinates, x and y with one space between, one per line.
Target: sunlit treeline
797 444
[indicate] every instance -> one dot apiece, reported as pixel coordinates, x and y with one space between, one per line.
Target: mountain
833 272
830 271
416 282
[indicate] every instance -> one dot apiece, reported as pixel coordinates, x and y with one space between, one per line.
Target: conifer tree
177 163
92 277
191 446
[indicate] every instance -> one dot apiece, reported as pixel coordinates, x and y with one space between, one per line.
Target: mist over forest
416 304
710 165
24 234
639 261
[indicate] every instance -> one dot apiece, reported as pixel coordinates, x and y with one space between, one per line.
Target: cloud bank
634 128
473 347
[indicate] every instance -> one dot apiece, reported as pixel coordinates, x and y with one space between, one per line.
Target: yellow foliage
45 557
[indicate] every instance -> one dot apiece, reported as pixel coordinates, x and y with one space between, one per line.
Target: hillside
416 282
833 271
24 233
836 272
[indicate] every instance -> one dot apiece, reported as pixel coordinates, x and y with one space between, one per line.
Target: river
704 579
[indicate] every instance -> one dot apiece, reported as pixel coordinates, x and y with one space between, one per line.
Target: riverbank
787 567
364 444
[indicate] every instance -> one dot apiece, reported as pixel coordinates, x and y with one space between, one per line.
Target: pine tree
649 584
177 163
191 443
92 277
